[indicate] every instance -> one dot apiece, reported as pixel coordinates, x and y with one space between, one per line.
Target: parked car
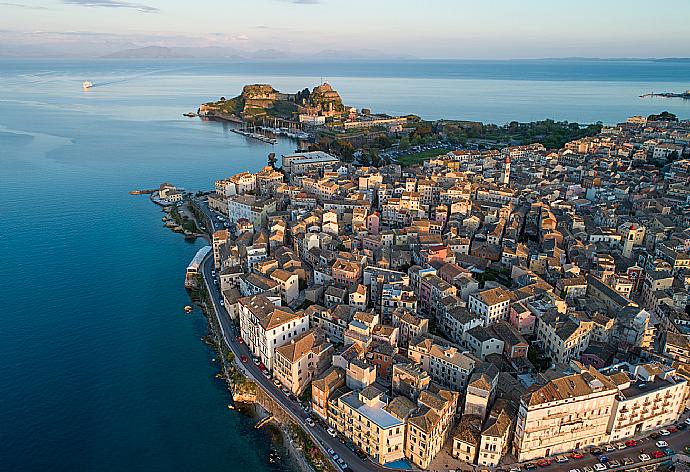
620 445
595 451
609 448
276 382
515 468
603 458
599 467
672 429
631 443
687 421
574 470
613 464
561 459
543 462
331 431
256 361
654 436
668 451
658 454
530 466
244 359
661 444
644 457
627 461
664 432
577 455
681 427
587 469
310 422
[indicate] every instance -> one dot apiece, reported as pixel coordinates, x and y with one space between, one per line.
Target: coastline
247 403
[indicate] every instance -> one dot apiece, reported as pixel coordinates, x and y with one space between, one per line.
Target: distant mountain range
123 50
159 52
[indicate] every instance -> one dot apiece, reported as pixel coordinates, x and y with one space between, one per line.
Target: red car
244 359
577 455
630 443
672 429
658 454
239 339
543 462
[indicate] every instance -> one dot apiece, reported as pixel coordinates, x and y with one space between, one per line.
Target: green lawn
419 157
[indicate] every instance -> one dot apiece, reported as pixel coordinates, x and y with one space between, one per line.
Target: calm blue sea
99 368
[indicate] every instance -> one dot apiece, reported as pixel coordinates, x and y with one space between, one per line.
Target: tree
272 159
375 158
404 143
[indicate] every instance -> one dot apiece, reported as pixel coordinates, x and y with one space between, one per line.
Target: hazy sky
422 28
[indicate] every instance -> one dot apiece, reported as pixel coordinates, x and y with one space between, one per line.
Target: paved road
229 333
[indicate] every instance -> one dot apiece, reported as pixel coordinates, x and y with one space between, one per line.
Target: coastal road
318 433
216 224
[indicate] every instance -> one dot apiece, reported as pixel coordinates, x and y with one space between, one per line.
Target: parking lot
617 456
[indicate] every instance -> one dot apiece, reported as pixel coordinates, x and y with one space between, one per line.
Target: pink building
522 319
373 223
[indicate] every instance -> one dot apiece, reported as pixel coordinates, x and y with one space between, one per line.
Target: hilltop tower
505 175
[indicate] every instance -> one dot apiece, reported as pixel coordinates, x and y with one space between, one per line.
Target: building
302 162
265 326
288 283
491 304
650 396
251 208
362 418
466 438
300 360
323 387
429 427
449 367
563 337
567 413
496 434
219 238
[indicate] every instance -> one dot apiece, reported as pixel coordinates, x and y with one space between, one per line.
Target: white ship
87 84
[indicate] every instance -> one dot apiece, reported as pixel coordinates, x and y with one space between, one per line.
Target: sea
100 369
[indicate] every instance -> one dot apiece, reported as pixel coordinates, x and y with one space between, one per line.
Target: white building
265 326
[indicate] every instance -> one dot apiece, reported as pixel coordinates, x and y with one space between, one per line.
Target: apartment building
466 438
563 337
265 326
300 360
495 435
410 325
491 305
449 367
251 208
650 396
288 283
220 238
362 417
567 413
429 427
322 389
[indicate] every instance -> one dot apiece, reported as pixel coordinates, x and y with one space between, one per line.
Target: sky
463 29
